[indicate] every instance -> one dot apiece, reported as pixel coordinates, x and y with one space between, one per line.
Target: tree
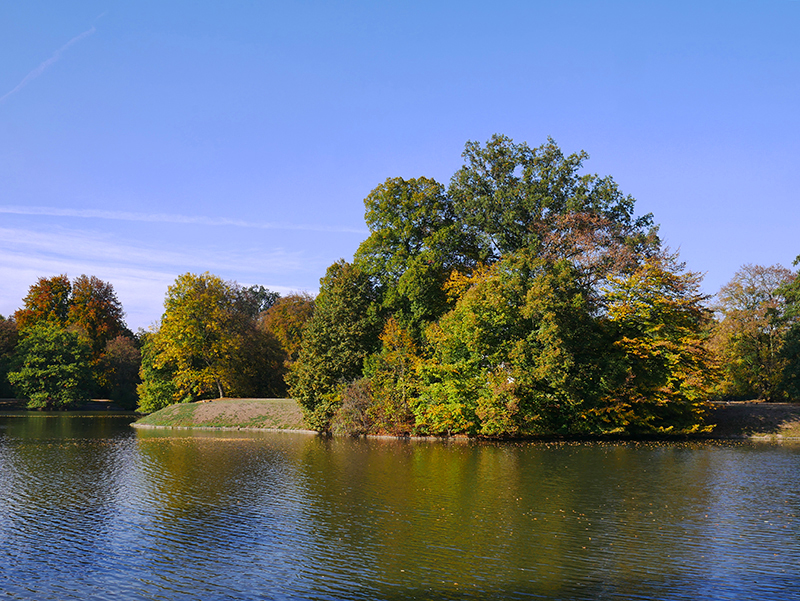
341 334
121 361
660 363
510 196
416 241
156 389
8 343
208 345
286 320
393 381
750 332
48 300
95 311
790 352
52 367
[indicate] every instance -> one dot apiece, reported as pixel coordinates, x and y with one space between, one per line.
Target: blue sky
141 140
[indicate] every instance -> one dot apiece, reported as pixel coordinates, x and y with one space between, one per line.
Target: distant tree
8 343
52 367
48 300
286 320
750 332
208 345
790 352
341 334
256 299
95 311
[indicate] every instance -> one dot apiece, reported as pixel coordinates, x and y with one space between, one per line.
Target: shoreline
734 420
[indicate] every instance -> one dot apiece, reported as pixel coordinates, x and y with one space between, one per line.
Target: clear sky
141 140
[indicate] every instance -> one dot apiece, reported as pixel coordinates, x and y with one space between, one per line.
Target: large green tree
416 242
341 334
511 197
52 367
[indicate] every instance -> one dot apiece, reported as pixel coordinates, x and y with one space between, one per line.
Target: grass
274 414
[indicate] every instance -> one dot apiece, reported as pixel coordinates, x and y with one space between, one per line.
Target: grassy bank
272 414
731 420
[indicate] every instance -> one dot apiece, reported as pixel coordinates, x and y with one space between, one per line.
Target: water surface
90 508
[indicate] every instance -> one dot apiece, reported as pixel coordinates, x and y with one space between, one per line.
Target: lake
92 509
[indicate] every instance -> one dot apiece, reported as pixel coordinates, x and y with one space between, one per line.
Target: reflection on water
90 508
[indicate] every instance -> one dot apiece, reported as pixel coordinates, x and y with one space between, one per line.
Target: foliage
415 243
8 343
48 300
337 339
121 361
394 382
95 311
285 320
51 368
663 369
352 417
790 352
750 332
514 356
157 388
511 196
207 345
88 306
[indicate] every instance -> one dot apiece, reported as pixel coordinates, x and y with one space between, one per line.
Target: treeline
524 298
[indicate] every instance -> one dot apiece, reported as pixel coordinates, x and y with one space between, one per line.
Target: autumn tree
286 320
52 367
96 312
48 300
341 334
207 345
660 364
749 336
393 380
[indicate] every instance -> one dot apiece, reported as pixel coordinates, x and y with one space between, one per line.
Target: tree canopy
526 297
52 367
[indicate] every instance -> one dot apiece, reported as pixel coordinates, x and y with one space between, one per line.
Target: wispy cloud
43 67
140 272
174 218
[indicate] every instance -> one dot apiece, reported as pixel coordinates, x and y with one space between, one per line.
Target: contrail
173 218
41 68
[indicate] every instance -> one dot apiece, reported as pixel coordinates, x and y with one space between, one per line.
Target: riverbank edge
741 420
